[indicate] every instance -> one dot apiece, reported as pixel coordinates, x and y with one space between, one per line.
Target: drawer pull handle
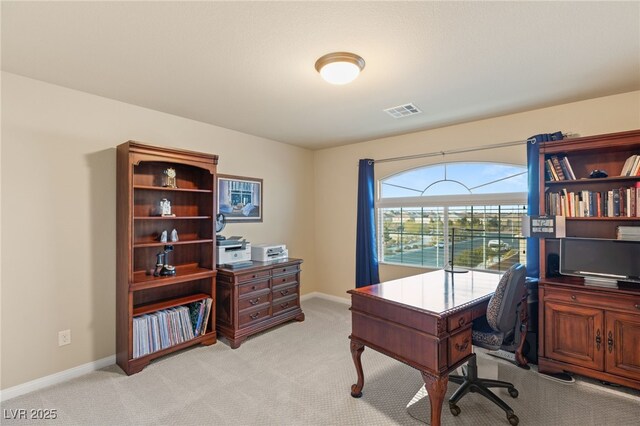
284 269
254 316
284 292
284 279
253 276
461 321
573 297
598 339
610 342
284 305
637 306
255 301
253 287
463 347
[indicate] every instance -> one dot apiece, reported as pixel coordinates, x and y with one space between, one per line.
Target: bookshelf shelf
169 303
144 301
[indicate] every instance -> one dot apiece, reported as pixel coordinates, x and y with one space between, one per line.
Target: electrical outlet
64 337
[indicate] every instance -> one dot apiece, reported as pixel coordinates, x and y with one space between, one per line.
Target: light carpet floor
295 374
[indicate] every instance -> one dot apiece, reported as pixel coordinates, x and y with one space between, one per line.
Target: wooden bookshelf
140 187
588 330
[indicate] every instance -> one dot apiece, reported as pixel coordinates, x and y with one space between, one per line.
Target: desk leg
356 352
437 388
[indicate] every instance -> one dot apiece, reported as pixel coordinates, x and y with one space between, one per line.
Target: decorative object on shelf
544 226
174 236
170 178
163 236
165 208
240 198
163 269
598 174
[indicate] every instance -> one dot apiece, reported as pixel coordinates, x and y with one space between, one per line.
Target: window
472 210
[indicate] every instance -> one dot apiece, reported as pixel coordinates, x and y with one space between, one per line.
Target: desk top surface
437 292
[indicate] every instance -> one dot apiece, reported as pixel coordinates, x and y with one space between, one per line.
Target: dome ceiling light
340 67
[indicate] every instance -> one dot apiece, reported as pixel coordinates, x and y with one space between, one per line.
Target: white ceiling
249 66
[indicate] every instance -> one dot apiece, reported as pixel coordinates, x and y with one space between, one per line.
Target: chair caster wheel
455 410
513 419
513 392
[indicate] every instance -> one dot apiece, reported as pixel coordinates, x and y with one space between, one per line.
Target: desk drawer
283 280
254 299
246 318
255 287
458 320
596 299
287 291
253 276
282 305
459 346
286 270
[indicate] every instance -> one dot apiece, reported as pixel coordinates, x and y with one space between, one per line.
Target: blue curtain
366 252
533 198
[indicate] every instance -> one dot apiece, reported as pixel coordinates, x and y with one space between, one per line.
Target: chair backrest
502 311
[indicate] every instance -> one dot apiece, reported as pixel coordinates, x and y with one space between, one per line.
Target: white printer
267 252
233 250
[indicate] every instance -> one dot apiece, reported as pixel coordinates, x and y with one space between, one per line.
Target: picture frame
240 198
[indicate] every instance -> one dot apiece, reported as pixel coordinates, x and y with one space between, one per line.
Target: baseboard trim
56 378
343 300
72 373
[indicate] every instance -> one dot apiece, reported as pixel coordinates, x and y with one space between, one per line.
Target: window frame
439 201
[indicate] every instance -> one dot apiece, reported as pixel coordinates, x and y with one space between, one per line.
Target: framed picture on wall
240 198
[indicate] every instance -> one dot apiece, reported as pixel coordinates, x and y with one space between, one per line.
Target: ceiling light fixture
340 67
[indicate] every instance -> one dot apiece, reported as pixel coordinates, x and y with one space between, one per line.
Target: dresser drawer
286 270
596 299
248 317
283 280
459 346
285 291
254 299
458 320
253 287
243 278
282 305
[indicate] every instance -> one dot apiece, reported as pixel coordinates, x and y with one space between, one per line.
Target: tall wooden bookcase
140 187
588 330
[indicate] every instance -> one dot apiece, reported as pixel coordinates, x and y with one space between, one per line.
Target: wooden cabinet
256 298
588 330
141 294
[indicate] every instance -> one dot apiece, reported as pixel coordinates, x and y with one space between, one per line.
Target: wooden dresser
253 299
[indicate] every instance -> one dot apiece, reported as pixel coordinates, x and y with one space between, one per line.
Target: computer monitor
600 259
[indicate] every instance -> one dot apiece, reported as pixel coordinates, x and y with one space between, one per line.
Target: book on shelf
619 202
628 233
167 327
631 165
559 168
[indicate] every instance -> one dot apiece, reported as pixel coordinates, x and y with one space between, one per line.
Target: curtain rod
452 151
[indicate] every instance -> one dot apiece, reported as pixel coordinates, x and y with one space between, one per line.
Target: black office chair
504 327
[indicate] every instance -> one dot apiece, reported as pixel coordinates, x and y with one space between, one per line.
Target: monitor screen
615 259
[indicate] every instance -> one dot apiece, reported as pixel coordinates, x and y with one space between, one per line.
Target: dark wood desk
423 321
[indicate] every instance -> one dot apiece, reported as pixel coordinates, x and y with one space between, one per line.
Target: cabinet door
623 344
574 334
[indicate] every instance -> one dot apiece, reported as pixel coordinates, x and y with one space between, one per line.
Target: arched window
468 212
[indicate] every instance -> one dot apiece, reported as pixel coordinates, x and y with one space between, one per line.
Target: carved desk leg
437 388
356 352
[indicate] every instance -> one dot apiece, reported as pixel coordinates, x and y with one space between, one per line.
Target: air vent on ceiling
403 110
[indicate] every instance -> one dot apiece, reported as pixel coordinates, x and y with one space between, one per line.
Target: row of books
631 233
622 202
631 166
169 327
559 168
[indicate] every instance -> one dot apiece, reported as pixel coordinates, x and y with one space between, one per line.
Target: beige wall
58 217
337 169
